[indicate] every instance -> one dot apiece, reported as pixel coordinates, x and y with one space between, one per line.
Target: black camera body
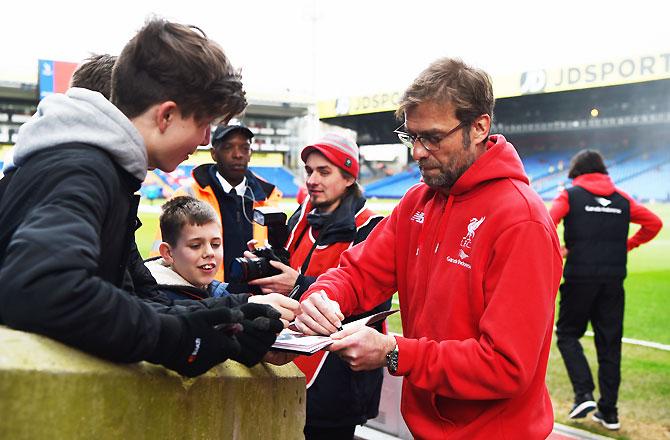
243 269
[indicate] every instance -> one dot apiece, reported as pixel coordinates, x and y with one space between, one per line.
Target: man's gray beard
446 179
443 180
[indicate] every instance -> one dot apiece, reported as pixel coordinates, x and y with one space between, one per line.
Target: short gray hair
451 81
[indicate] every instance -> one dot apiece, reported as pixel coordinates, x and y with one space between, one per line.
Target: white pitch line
640 342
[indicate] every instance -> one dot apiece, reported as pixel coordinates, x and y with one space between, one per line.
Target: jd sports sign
622 71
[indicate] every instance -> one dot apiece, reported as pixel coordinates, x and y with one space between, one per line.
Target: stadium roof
633 69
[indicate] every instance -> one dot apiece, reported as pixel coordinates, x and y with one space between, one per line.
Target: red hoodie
602 185
476 274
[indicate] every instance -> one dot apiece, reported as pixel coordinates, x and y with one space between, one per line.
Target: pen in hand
325 297
295 293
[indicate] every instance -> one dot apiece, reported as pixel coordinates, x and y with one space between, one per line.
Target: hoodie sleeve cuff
406 352
169 339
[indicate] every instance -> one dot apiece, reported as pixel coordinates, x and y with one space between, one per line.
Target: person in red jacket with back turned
475 259
596 216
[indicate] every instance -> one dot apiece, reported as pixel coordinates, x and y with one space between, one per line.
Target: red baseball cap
341 151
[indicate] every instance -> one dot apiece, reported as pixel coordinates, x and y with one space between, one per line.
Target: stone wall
51 391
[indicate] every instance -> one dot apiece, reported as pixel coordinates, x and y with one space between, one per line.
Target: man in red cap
330 220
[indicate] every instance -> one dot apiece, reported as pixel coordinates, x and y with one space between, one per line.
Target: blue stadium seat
393 186
642 171
280 177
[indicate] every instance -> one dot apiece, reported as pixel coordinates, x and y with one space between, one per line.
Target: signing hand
320 315
363 348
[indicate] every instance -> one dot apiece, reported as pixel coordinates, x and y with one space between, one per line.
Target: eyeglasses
429 142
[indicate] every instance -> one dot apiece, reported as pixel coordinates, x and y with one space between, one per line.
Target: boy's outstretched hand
190 344
261 325
287 307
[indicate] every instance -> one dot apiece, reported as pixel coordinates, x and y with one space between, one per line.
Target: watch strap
392 360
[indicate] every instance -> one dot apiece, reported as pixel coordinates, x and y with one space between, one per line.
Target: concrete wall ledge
51 391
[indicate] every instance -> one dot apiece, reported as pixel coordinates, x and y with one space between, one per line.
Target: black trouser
602 303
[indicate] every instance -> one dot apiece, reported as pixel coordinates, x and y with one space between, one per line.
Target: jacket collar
341 224
205 175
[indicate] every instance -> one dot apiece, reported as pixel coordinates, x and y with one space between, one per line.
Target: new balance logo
418 217
603 201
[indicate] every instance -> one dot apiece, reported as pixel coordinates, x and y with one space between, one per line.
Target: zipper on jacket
427 233
442 226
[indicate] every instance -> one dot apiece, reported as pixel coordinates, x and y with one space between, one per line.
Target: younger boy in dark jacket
191 254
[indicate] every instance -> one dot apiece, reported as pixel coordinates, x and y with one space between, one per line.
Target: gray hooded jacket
87 117
67 221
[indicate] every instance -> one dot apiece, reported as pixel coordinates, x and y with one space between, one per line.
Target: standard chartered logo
604 209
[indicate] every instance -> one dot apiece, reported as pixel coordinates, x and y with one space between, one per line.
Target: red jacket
477 274
336 396
602 185
301 242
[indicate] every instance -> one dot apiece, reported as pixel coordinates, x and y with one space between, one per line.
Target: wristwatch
392 360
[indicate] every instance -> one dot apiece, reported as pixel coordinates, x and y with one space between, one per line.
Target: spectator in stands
67 212
475 259
331 219
596 217
234 191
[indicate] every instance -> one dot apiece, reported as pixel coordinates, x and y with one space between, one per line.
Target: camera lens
247 269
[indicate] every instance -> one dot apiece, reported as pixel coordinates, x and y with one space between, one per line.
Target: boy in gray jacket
67 212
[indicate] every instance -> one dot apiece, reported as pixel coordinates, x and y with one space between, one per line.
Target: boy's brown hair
95 73
183 210
173 62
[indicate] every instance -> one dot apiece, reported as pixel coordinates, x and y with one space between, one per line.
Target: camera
244 269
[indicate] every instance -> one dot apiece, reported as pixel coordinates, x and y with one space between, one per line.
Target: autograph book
296 342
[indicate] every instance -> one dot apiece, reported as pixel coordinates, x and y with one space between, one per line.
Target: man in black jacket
233 191
596 217
68 210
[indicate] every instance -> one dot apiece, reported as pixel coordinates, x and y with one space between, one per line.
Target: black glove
190 344
255 341
232 300
261 325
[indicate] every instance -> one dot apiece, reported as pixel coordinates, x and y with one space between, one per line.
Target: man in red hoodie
475 259
596 216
